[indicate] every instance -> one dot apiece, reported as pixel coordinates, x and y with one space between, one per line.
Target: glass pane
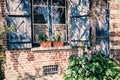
38 30
40 2
40 15
58 2
58 15
59 29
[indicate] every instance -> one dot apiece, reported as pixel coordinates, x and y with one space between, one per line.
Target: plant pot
46 44
57 43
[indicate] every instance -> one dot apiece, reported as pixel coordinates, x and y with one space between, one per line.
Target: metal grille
51 69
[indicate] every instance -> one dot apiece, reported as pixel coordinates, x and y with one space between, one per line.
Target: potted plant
44 42
58 40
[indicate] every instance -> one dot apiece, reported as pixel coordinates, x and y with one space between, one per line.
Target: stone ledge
50 48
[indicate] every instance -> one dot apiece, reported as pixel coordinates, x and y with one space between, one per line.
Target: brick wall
115 29
2 20
3 8
28 63
22 63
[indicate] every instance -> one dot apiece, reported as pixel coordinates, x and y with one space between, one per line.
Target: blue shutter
80 26
19 17
102 33
79 22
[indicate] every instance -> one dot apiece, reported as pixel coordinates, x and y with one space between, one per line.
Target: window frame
50 24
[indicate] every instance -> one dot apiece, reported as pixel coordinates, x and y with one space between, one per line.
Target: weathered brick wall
2 20
28 63
3 8
115 29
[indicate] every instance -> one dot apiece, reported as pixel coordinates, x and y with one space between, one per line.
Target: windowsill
50 48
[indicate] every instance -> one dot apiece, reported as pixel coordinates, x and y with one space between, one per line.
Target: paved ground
51 77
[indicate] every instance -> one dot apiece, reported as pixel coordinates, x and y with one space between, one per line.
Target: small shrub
43 37
97 68
58 37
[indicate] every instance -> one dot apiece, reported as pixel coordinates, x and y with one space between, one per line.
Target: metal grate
51 69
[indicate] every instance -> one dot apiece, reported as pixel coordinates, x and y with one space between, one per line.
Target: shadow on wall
20 70
115 55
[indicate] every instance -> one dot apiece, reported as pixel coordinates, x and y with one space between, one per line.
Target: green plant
97 68
6 29
58 37
2 31
43 37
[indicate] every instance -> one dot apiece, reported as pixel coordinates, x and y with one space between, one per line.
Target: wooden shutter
19 16
80 26
102 33
79 22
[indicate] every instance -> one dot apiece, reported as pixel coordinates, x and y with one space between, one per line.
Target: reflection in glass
58 15
40 2
59 29
38 30
58 2
40 15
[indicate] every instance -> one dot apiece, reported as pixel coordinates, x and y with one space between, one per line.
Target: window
49 17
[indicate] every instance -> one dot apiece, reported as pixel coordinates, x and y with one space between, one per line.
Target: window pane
58 15
40 15
38 30
58 2
59 29
40 2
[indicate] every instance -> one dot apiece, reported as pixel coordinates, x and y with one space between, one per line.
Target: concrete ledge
50 48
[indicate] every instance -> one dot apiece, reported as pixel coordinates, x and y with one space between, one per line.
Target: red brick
116 42
114 16
20 62
115 6
115 34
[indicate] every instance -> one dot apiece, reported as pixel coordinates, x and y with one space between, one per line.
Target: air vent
51 69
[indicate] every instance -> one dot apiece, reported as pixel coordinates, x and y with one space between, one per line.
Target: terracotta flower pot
46 44
57 43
